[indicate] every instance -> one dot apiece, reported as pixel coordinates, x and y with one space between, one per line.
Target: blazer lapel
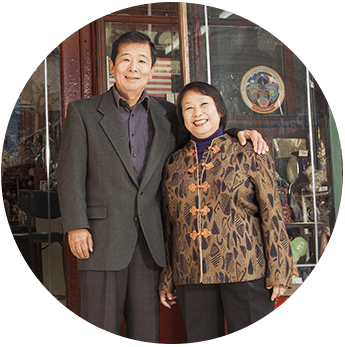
113 128
162 130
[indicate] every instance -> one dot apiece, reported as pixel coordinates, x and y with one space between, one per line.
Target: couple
113 150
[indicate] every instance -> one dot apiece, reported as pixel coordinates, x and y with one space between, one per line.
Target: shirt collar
119 100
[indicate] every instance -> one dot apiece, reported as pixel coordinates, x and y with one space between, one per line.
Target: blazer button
136 219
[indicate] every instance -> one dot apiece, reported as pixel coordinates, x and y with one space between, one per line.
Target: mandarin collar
216 141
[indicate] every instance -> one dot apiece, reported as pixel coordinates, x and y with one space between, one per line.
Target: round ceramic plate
262 89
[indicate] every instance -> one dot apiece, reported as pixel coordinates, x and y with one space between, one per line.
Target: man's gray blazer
97 186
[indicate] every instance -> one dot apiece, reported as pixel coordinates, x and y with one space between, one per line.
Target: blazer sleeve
233 132
166 277
276 241
72 171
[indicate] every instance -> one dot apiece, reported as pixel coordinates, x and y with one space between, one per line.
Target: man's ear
152 71
111 67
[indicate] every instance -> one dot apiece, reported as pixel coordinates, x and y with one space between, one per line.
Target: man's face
132 70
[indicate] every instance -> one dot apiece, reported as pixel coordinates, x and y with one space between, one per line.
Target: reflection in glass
28 155
297 130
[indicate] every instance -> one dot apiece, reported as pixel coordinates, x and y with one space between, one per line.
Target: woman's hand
167 299
277 291
259 144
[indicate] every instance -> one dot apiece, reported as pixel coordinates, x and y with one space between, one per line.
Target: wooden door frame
77 67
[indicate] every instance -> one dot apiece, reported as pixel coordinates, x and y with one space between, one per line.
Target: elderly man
112 154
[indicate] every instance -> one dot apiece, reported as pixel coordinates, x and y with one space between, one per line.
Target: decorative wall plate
262 89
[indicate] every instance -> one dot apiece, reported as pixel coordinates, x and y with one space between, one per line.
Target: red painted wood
86 62
72 281
76 83
280 301
70 71
172 329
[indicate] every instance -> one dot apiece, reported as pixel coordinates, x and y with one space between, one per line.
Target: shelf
303 224
291 290
317 194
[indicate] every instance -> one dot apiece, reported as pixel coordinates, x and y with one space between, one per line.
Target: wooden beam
184 43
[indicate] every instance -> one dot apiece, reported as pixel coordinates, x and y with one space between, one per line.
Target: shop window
29 163
265 85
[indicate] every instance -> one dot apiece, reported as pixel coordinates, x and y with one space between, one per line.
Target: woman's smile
200 122
200 114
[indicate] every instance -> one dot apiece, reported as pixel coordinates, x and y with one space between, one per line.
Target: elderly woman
227 247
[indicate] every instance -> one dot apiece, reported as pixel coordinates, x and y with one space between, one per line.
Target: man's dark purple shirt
138 129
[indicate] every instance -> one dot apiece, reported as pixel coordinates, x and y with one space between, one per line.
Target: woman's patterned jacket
223 217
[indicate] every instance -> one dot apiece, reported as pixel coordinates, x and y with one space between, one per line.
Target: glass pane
54 112
29 171
265 85
166 81
233 51
157 9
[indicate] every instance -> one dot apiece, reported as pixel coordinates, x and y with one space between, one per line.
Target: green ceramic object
299 247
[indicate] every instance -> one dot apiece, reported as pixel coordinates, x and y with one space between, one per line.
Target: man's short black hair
208 90
133 37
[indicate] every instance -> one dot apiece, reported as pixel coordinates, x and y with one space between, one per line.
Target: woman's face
200 114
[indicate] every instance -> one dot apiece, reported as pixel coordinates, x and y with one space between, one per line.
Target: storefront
265 87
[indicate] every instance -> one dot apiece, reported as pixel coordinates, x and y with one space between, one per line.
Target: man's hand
80 242
277 291
259 144
167 299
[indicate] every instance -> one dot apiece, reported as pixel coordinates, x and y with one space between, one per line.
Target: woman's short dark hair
133 37
205 89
